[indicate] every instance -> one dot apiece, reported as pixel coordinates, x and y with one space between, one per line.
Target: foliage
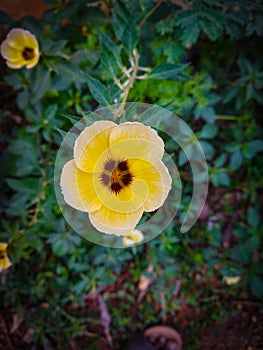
199 59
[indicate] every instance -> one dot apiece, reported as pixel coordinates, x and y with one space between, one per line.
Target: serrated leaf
190 34
168 71
130 36
124 25
120 17
69 71
110 55
40 83
151 117
112 47
99 91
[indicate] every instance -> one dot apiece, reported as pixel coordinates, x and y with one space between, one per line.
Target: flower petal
33 61
10 53
14 65
135 140
91 143
156 177
78 188
4 260
4 263
19 38
3 246
108 221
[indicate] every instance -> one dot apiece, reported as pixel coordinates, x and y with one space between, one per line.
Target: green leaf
256 286
206 113
190 34
209 131
120 18
220 161
130 36
40 83
124 25
255 146
236 161
14 80
69 71
99 91
220 178
151 117
110 55
208 149
169 71
22 99
53 48
27 161
30 186
253 217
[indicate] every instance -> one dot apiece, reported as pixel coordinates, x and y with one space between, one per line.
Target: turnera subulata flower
5 263
20 48
116 174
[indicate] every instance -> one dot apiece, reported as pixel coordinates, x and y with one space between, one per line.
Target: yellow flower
4 260
132 237
20 48
116 175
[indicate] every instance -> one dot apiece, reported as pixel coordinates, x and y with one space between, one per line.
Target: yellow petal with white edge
91 143
19 39
129 140
31 63
128 200
156 177
78 189
9 53
107 221
14 65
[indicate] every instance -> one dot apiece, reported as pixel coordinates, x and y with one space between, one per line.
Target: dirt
242 330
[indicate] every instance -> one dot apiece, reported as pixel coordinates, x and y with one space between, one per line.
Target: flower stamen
28 53
116 175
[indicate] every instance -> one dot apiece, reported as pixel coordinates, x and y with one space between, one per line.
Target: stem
126 89
226 117
149 14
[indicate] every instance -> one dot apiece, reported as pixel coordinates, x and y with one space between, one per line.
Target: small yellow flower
116 175
132 237
4 260
20 48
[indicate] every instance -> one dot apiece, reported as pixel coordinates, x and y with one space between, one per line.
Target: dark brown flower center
116 175
2 254
28 53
